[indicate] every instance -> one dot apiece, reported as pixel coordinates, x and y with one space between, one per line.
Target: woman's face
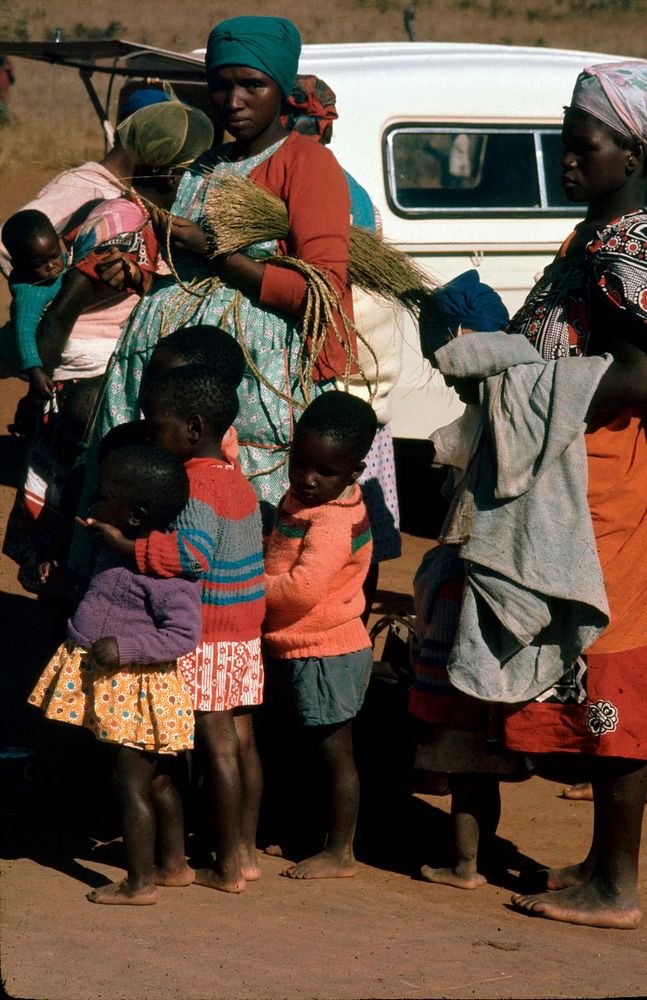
594 166
246 102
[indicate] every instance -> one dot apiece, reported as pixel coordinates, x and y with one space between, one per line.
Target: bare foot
564 878
580 904
581 792
173 876
118 894
274 850
323 865
212 880
449 876
249 867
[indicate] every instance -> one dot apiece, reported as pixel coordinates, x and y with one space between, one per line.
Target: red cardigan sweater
307 177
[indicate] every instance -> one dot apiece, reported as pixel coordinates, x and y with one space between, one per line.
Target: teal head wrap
269 44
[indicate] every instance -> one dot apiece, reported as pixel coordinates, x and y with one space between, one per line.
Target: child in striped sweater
218 538
315 564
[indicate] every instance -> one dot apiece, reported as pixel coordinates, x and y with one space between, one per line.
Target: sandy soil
383 934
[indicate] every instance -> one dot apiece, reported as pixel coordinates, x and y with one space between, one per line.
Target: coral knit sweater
218 538
315 564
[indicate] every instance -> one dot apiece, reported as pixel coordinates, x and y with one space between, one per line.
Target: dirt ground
383 934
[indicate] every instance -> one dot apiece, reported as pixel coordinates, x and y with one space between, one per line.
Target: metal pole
106 124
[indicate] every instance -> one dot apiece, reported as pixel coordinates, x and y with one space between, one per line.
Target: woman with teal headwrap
251 64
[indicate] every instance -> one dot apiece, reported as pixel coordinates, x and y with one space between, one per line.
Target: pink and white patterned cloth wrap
616 94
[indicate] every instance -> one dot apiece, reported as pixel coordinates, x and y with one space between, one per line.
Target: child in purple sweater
117 674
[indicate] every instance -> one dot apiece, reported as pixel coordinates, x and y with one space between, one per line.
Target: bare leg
133 775
552 767
219 745
570 875
252 790
172 869
476 809
337 859
608 895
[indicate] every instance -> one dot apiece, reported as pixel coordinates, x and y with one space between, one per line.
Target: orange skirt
147 707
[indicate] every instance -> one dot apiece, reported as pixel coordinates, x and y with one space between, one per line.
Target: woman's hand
116 271
106 652
106 534
185 235
242 272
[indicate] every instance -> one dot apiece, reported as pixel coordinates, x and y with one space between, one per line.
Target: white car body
381 86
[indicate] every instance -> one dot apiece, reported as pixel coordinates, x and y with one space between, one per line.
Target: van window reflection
459 169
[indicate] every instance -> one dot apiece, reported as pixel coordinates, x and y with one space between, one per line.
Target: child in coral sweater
315 564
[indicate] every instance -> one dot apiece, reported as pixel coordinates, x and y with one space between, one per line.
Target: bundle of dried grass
239 213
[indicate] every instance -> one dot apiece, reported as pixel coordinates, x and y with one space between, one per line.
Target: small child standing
218 538
458 737
38 261
117 675
316 561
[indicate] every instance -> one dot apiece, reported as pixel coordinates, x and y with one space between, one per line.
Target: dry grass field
55 126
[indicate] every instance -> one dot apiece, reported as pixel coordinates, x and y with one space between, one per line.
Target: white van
459 148
457 144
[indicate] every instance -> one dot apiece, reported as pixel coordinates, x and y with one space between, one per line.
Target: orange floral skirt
145 706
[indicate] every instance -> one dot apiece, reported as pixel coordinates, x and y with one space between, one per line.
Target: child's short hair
152 478
346 418
194 389
207 345
21 228
122 436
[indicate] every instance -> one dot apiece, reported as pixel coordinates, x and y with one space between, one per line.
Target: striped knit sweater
217 538
315 564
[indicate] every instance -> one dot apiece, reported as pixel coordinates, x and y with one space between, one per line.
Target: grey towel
534 596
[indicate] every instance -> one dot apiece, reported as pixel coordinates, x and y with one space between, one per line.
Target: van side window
442 170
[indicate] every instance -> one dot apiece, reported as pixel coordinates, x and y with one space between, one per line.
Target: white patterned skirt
224 675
